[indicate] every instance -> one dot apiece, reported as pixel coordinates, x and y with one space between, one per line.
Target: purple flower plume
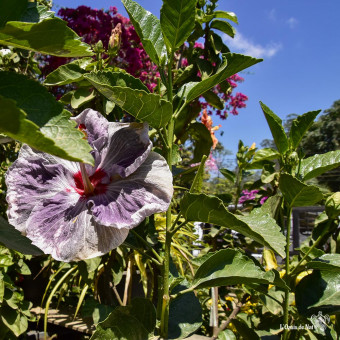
75 211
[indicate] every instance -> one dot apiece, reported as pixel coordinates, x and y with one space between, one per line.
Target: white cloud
246 46
292 22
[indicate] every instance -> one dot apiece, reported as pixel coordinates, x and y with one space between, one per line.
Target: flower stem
286 299
168 235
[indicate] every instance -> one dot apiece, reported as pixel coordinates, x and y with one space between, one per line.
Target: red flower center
96 180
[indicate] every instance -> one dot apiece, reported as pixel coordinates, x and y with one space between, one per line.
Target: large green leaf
319 291
222 15
11 10
15 321
31 115
144 106
177 21
50 36
69 73
318 164
134 322
298 194
224 27
266 154
276 128
36 13
259 225
300 126
185 315
326 262
230 267
12 239
149 30
234 63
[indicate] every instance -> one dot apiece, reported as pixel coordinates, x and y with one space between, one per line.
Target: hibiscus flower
75 211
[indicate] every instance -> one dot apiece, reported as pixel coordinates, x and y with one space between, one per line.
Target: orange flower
207 121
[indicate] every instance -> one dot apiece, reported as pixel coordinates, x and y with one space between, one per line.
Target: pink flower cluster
250 196
94 25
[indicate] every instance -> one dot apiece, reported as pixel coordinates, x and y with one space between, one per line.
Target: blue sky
300 44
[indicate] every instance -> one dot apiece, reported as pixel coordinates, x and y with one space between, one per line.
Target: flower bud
115 39
98 47
333 205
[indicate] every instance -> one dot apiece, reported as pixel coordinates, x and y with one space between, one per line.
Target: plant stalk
286 301
168 235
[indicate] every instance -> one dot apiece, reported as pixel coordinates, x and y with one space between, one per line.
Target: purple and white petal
127 201
33 177
128 147
64 228
95 126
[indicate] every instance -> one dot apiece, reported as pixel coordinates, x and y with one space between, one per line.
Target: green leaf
234 63
213 99
276 128
224 27
226 15
325 262
300 126
197 183
259 225
266 154
142 105
228 174
12 239
15 321
318 164
38 120
148 29
69 73
230 267
202 140
177 21
185 315
298 194
36 13
11 10
244 330
50 36
227 334
82 96
319 291
2 287
134 322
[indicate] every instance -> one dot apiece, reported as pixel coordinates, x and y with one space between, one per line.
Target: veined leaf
185 315
228 174
300 126
36 13
50 36
11 10
31 115
148 29
144 106
326 262
234 63
230 267
12 239
224 27
318 164
266 154
69 73
177 21
298 194
133 322
276 128
259 225
319 291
